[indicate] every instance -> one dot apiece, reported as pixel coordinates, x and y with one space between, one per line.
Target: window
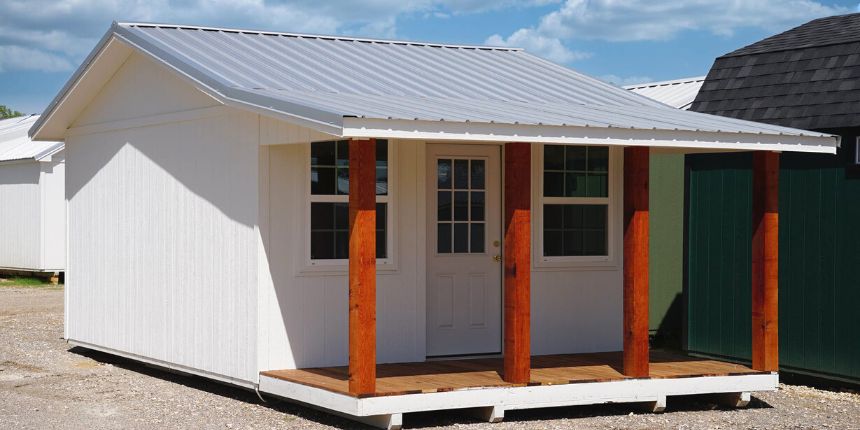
575 201
460 200
329 214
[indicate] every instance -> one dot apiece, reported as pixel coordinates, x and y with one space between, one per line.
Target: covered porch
380 393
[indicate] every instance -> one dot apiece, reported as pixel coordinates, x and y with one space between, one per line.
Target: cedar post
362 266
517 262
636 167
765 261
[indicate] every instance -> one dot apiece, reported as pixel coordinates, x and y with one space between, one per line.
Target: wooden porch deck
451 375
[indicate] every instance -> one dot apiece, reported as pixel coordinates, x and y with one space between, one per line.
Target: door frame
429 223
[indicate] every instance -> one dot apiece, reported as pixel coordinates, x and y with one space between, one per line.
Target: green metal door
819 267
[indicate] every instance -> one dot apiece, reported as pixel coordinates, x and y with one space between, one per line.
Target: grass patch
25 281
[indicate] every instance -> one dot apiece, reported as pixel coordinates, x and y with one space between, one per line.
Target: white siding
20 216
53 187
162 227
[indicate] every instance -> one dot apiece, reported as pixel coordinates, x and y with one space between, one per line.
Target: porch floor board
449 375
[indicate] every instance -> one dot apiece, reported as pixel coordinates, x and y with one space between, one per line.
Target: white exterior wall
303 312
162 226
53 213
20 216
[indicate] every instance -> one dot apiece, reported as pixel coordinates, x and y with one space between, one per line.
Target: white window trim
857 150
598 262
341 266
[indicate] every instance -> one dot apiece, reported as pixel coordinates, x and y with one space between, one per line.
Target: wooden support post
517 261
765 261
636 160
362 266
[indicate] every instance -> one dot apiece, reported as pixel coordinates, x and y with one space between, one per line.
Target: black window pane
573 216
553 184
342 180
598 159
381 152
381 215
461 237
594 242
477 238
444 205
381 181
322 245
443 238
573 242
597 185
574 158
574 184
553 157
322 216
594 216
341 245
478 174
553 244
461 206
341 216
443 174
322 180
322 154
552 217
461 174
477 206
343 153
381 251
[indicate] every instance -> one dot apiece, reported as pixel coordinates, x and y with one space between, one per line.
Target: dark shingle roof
807 77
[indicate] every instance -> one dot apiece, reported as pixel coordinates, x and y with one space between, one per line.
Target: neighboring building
284 212
806 77
32 203
678 93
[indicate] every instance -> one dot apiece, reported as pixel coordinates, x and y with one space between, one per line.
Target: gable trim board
493 118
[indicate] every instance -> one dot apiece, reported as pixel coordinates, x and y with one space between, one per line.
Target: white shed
32 202
344 221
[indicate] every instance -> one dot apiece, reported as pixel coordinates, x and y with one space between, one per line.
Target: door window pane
443 239
461 174
461 237
444 205
461 213
461 205
476 239
443 174
477 172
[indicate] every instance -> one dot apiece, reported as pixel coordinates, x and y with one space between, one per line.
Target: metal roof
15 145
320 81
678 93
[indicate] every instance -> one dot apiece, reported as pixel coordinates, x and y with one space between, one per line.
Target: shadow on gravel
413 420
820 383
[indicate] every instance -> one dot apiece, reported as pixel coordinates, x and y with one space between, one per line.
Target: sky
624 42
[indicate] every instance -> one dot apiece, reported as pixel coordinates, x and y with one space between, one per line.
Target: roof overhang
483 132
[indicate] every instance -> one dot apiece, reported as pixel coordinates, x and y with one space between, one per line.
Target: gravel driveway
45 384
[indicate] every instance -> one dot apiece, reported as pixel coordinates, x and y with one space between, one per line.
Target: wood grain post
765 261
517 262
636 167
362 266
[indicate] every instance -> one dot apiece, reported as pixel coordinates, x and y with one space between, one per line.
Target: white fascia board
492 132
46 155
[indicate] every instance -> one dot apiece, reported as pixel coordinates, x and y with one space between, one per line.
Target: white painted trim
171 366
160 119
492 132
528 397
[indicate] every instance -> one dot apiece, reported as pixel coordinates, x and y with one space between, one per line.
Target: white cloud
621 81
66 30
639 20
550 48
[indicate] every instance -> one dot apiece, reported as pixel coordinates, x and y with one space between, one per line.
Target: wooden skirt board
451 375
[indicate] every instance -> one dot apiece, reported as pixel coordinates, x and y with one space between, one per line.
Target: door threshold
463 356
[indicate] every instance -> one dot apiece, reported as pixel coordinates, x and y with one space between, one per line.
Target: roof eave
496 132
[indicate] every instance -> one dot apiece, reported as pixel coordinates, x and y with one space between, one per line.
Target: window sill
341 268
542 264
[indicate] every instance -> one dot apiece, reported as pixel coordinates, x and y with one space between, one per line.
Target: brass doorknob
498 258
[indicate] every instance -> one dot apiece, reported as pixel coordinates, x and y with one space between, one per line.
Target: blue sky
621 41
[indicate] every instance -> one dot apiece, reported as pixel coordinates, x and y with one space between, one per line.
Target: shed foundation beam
636 168
490 414
362 266
386 422
517 262
655 407
733 400
765 261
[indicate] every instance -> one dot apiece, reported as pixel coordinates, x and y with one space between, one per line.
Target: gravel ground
45 384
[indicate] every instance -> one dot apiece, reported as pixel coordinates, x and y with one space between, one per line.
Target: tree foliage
5 112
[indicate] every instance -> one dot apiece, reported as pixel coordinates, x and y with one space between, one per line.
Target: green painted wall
819 264
666 248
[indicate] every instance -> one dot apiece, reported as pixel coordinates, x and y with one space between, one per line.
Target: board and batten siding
20 215
162 196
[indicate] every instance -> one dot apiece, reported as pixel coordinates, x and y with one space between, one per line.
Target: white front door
464 272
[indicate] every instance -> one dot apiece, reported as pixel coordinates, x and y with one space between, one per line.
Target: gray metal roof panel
15 145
